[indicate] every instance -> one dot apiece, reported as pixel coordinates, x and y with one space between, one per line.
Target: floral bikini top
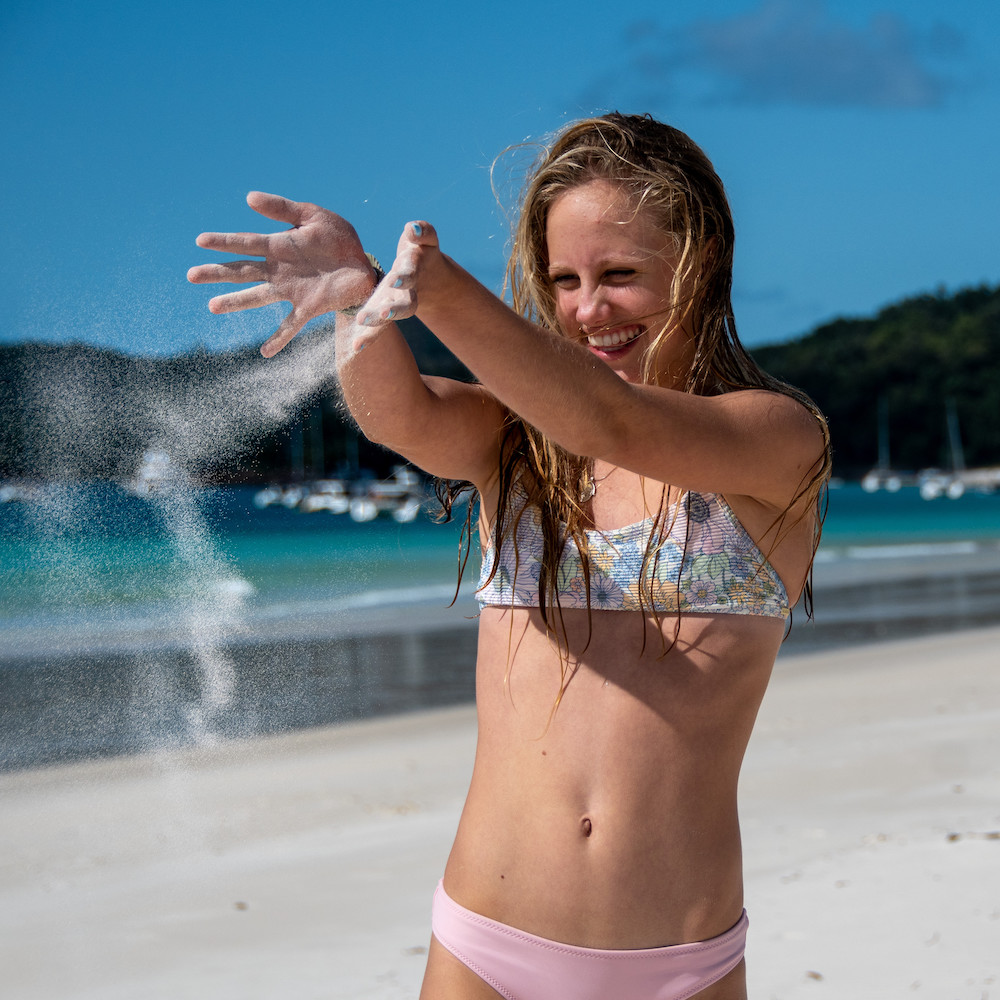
720 569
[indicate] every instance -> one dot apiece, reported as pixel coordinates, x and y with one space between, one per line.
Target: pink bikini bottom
521 966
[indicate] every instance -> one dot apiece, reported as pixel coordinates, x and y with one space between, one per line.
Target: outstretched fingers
254 244
273 206
314 265
246 298
289 327
237 272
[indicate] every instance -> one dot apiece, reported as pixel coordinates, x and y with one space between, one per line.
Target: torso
610 821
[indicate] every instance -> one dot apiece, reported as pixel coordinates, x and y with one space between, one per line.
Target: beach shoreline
304 862
71 696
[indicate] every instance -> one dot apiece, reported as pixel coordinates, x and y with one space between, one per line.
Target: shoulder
776 415
773 446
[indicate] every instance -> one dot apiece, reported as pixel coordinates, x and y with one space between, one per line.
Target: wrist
377 275
444 289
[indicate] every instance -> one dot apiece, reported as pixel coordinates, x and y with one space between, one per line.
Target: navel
586 827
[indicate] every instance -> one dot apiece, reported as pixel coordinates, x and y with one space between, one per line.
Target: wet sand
302 864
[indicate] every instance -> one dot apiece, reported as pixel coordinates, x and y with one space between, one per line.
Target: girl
649 510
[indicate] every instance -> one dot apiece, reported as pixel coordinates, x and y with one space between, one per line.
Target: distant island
74 411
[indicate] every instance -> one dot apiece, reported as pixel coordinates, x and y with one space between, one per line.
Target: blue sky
859 141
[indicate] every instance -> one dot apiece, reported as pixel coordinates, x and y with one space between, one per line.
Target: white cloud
796 52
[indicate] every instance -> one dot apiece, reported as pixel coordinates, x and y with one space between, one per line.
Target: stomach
602 810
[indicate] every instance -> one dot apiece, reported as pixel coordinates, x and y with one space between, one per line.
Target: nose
591 307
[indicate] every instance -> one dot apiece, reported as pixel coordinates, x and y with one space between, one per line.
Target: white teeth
615 339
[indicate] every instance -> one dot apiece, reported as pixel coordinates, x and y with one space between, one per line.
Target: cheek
564 311
658 300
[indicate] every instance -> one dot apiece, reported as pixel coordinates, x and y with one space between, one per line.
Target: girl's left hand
396 296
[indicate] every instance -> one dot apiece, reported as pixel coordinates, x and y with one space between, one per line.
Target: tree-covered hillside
915 355
74 411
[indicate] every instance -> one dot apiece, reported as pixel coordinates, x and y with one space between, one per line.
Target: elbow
378 432
385 432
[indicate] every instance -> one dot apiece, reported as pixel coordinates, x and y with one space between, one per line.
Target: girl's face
610 273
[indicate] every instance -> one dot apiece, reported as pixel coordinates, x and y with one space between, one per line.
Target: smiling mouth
615 339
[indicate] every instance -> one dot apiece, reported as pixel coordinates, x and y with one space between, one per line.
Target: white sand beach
303 865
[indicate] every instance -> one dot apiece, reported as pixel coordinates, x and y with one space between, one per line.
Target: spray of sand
157 433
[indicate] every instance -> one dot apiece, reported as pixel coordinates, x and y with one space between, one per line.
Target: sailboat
958 480
883 476
935 482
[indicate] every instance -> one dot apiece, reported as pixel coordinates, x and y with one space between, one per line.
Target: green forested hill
78 411
915 355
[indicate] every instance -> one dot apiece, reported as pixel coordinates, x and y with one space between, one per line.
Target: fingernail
390 314
398 283
417 229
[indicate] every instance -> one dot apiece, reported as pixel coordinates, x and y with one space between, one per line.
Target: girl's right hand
318 265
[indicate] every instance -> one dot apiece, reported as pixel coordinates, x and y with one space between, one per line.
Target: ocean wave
395 596
900 550
437 594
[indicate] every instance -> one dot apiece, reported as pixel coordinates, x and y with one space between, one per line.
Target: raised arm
753 443
447 428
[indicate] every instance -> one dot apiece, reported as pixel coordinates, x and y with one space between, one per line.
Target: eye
620 275
564 280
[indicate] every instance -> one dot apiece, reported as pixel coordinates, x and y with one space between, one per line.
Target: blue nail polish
418 229
390 314
398 283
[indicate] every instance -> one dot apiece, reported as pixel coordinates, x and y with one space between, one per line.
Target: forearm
551 382
447 428
380 382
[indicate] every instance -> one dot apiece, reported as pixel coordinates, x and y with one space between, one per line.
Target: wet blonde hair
663 173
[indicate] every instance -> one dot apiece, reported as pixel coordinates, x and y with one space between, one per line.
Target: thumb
419 233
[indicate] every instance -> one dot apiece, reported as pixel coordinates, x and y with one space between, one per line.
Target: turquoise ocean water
98 552
129 622
857 520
